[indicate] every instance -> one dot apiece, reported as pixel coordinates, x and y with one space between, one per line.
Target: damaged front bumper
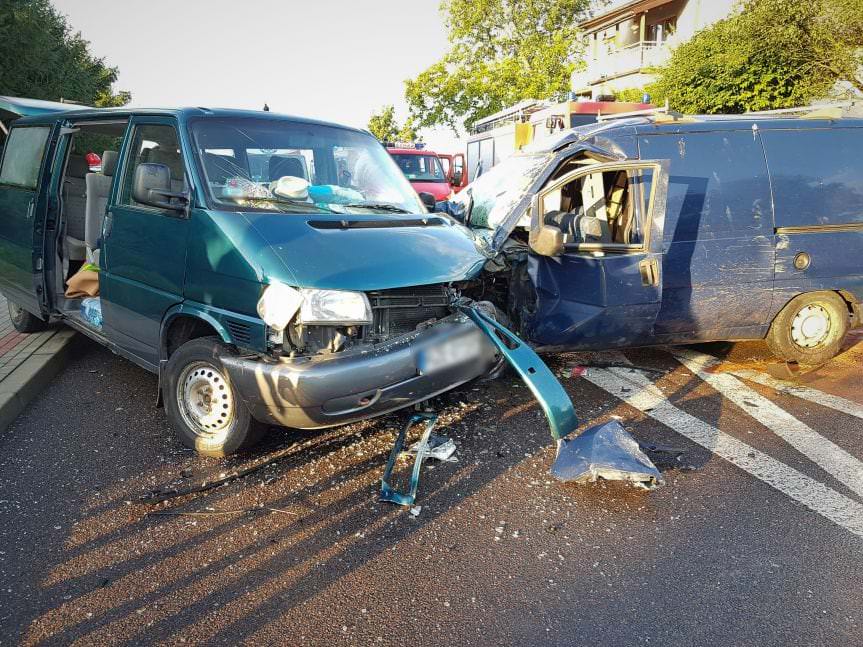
325 391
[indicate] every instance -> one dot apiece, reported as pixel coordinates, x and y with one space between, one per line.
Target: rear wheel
202 404
810 329
23 321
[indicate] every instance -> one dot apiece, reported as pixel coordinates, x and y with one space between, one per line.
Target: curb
33 375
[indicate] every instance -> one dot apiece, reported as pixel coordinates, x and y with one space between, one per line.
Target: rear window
23 156
817 176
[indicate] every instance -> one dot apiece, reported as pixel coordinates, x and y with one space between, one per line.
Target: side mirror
428 200
152 187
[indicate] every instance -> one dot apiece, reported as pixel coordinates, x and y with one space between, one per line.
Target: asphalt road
755 539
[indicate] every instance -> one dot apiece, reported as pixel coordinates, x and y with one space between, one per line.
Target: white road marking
639 392
827 455
803 392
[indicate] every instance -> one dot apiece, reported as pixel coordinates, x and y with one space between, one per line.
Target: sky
337 60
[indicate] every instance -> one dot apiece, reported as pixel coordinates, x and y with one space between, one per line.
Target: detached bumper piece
606 451
388 494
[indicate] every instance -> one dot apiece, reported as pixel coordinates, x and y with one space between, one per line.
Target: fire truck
496 137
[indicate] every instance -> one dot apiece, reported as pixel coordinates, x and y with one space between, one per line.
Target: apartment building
625 40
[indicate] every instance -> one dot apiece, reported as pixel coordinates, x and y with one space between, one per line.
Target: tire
23 321
810 329
202 404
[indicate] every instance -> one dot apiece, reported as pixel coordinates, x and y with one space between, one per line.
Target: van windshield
420 168
296 167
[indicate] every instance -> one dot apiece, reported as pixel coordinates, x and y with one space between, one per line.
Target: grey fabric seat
98 192
75 207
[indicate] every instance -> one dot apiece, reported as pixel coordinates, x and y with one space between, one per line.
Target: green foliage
501 52
773 54
630 95
48 60
384 126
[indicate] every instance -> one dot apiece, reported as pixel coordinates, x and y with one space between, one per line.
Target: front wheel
810 329
202 404
23 321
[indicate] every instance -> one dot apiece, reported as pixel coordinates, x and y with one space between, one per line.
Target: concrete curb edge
29 379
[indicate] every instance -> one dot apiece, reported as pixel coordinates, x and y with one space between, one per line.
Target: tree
50 61
772 54
501 52
384 126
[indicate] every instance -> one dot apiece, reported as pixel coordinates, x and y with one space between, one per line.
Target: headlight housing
335 307
280 303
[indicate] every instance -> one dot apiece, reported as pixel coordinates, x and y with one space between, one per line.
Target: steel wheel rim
811 326
205 399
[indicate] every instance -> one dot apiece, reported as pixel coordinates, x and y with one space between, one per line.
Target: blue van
663 229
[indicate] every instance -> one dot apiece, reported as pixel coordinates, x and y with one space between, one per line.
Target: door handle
649 269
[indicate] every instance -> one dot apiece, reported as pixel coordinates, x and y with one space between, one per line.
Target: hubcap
811 326
205 399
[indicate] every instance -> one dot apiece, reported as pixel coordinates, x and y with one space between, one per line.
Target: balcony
622 61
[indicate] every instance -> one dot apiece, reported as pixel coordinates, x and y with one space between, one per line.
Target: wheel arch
182 324
849 299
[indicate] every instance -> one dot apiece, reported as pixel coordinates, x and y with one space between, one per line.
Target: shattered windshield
296 167
498 191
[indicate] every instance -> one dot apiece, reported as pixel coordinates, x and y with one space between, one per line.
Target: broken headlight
334 307
279 303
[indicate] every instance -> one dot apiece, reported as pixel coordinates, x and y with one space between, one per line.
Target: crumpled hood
362 252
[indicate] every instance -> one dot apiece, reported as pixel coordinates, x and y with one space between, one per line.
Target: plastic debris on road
440 448
605 451
390 495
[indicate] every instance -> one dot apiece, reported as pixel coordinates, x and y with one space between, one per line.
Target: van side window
601 208
154 144
25 148
816 176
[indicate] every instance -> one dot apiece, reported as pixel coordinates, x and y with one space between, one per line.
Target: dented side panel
718 249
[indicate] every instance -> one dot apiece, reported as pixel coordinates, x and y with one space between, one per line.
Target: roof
410 151
182 114
21 107
612 129
621 11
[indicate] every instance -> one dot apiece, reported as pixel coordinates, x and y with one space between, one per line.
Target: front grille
402 310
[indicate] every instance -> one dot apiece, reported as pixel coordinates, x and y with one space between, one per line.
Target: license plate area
448 353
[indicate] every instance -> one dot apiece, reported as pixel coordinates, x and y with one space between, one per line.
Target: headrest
281 166
169 159
109 162
77 166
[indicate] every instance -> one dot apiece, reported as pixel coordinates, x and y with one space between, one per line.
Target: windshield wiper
293 203
379 206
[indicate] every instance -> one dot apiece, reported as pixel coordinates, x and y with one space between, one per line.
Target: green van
270 269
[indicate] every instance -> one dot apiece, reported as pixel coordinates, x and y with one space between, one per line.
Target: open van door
25 173
597 237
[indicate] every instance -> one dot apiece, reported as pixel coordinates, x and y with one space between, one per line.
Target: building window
660 32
